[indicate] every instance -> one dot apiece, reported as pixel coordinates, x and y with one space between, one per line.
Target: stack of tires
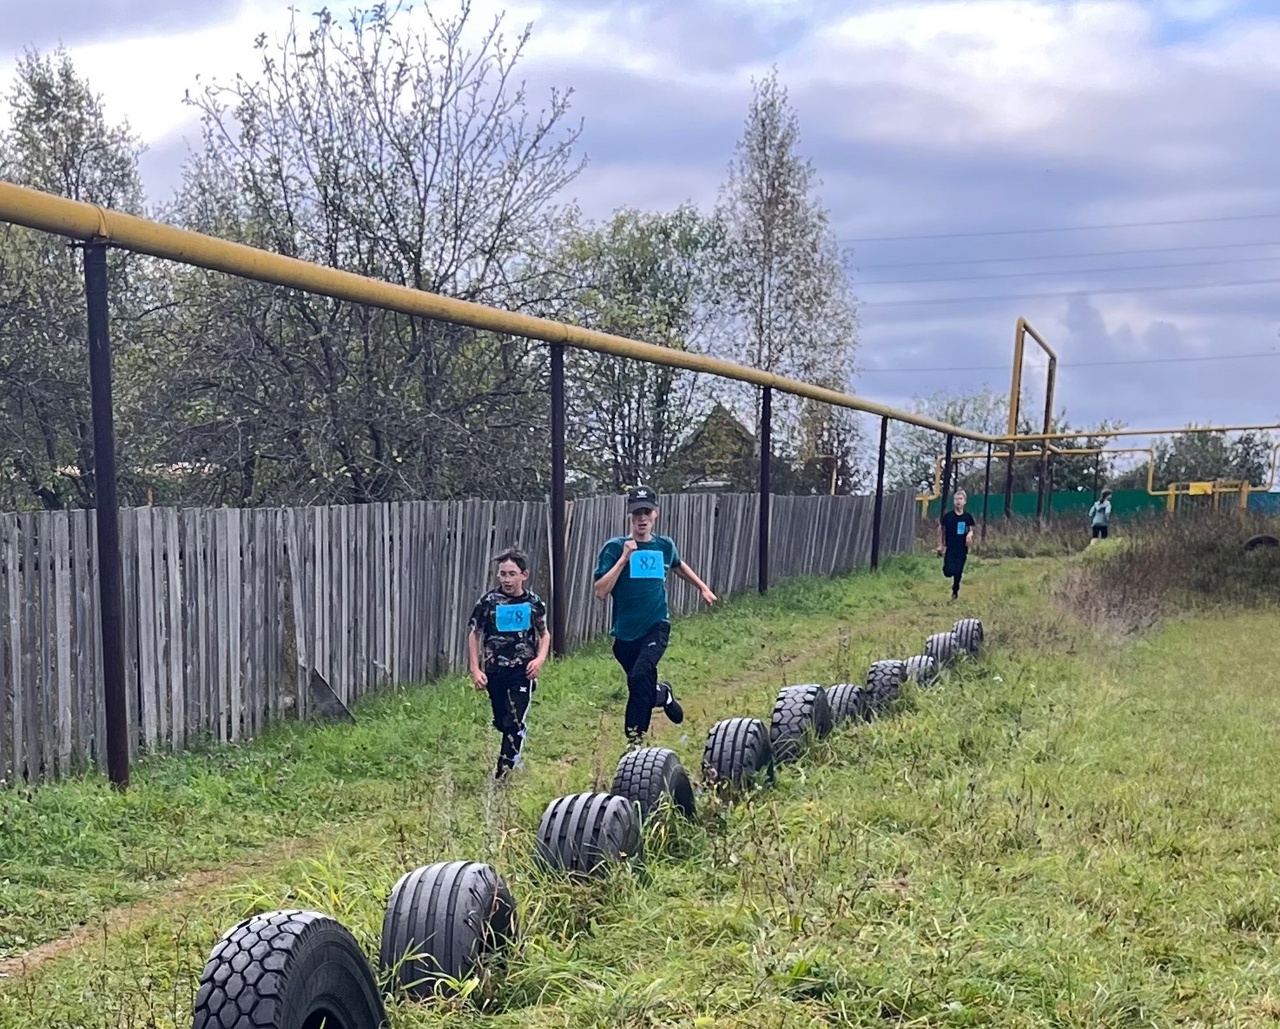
448 922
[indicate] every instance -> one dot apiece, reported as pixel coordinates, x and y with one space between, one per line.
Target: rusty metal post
986 494
766 445
1044 453
946 477
1008 483
558 598
878 512
106 501
1048 500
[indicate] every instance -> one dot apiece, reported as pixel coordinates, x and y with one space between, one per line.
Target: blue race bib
962 527
513 617
647 564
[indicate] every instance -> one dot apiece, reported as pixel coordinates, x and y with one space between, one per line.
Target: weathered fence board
227 612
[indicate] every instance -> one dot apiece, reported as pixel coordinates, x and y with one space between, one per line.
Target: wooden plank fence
227 611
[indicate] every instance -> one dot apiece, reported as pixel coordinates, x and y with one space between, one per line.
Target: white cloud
990 73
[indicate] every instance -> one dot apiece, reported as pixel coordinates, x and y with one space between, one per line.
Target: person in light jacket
1100 515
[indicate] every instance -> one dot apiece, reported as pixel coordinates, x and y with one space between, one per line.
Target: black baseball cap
641 498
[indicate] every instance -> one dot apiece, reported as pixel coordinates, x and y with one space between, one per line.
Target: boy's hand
707 595
478 679
629 546
939 551
532 669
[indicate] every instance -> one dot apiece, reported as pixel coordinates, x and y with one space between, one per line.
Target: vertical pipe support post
559 617
878 513
1044 451
986 494
766 445
107 504
1048 498
946 476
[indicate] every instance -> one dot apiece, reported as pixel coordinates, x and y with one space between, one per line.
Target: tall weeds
1169 566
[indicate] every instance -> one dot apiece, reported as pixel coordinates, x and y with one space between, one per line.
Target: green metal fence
1124 503
1066 504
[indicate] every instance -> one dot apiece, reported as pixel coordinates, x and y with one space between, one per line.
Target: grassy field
1079 830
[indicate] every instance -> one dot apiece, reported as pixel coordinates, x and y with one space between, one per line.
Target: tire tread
584 833
798 712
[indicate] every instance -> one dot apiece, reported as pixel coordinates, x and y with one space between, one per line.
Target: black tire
970 635
646 775
447 918
1261 540
737 752
584 833
799 712
922 670
884 683
288 970
943 648
848 702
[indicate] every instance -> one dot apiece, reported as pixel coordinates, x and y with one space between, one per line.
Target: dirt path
185 888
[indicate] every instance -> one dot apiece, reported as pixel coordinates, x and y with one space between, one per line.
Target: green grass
70 851
1070 833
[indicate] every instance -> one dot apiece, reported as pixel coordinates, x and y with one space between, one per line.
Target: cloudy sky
1108 169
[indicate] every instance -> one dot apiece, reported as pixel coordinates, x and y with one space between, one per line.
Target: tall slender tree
795 307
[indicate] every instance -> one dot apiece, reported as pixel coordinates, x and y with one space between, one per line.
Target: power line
1071 272
1070 293
1065 257
1063 228
1081 364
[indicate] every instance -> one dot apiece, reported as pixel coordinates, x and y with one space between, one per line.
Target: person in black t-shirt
955 536
507 646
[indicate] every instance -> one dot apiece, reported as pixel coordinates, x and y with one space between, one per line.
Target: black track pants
639 659
509 692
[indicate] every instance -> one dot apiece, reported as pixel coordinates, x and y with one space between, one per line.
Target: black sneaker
667 701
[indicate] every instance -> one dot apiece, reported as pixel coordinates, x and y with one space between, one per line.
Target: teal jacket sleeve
609 555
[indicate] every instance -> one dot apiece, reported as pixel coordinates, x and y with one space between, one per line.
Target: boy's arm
473 653
940 537
544 643
691 577
607 573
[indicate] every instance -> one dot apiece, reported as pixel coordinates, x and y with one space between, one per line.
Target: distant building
720 455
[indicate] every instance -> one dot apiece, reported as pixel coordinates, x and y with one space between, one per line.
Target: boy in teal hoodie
633 570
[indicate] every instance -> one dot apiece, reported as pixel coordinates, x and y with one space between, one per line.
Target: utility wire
1081 364
1064 228
1070 293
1069 273
1064 257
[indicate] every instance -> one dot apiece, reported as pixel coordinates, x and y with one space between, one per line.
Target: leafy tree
652 277
829 458
1206 456
913 451
400 153
60 141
